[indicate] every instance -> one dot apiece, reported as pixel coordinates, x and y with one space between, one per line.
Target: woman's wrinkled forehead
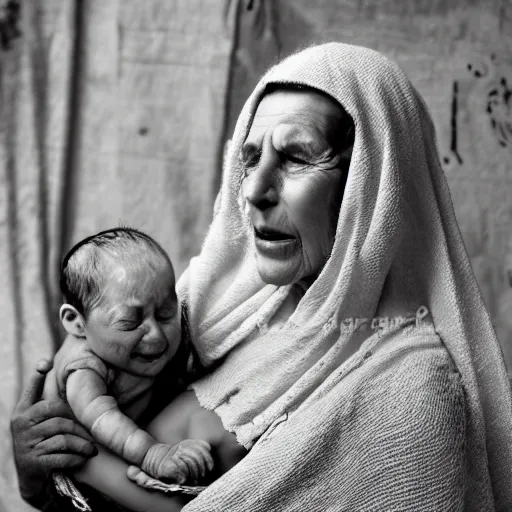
305 110
303 114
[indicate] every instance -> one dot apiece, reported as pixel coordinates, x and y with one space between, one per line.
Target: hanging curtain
111 112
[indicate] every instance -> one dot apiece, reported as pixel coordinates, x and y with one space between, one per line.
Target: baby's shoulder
75 355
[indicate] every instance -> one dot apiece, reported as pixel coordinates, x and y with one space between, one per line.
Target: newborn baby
123 314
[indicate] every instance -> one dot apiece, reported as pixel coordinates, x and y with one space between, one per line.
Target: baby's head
120 299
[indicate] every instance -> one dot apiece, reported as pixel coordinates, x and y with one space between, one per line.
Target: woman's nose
261 186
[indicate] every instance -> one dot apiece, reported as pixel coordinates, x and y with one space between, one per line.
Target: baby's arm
99 412
107 474
185 418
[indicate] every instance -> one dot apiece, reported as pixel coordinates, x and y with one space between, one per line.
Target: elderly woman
333 307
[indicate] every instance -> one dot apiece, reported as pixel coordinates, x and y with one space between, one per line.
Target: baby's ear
72 320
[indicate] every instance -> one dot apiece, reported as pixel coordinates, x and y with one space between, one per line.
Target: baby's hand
187 461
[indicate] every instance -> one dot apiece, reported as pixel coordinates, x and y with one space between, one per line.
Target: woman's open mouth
272 235
274 243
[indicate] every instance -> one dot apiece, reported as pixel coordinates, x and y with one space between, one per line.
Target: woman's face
293 184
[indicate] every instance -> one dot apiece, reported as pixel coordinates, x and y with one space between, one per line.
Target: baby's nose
154 336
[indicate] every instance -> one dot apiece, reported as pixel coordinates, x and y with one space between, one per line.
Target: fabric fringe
66 487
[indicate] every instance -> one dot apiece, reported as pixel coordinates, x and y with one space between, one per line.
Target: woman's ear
72 320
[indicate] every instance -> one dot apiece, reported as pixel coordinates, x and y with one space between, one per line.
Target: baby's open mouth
149 357
272 235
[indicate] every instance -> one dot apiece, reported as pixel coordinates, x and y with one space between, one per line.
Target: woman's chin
278 272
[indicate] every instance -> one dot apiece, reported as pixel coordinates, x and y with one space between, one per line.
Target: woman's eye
250 161
295 160
292 159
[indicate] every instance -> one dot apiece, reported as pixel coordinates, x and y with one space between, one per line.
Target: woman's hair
86 265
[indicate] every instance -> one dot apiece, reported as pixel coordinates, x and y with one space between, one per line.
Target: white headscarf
397 247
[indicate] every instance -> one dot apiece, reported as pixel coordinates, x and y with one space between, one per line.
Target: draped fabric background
116 111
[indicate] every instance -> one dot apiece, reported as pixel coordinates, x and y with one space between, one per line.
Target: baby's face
137 325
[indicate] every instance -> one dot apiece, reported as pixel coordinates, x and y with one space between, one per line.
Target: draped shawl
422 389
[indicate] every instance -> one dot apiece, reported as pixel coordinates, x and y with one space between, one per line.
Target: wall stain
453 124
499 110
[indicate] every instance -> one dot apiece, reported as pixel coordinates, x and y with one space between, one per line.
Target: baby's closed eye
127 324
129 320
165 315
167 310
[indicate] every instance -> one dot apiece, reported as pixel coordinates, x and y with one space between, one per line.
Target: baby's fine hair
85 265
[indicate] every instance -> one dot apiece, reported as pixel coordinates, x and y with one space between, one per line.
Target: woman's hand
137 476
45 438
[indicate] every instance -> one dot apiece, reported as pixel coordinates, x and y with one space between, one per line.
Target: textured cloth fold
397 249
384 432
